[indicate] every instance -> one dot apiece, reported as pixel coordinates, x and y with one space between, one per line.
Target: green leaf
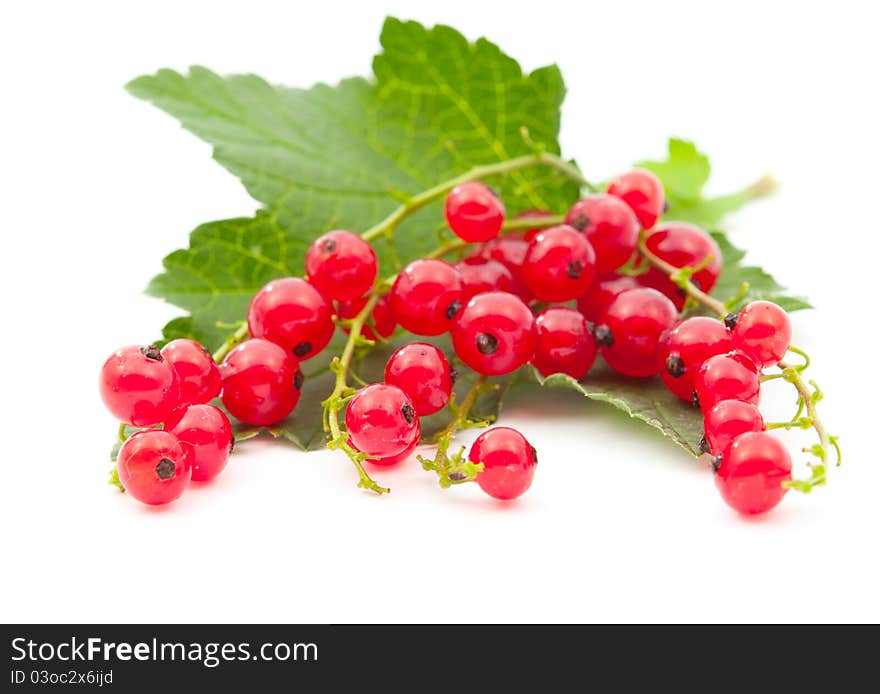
684 174
647 400
331 157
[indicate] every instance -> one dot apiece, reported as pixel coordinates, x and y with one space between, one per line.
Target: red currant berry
422 372
205 429
341 265
752 471
643 192
601 293
261 382
529 234
610 226
763 331
631 330
198 374
139 386
560 264
479 275
381 323
474 212
565 343
381 420
290 312
731 376
427 296
400 457
682 245
510 251
495 333
683 350
509 461
154 467
727 420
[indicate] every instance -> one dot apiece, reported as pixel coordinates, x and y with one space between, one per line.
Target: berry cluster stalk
790 373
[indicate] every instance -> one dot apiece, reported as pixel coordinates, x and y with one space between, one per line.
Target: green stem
387 225
341 391
231 343
121 434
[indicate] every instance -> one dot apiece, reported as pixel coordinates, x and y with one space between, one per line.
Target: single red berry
474 212
381 323
560 264
427 296
422 372
290 312
752 471
205 429
139 386
341 265
565 343
529 234
763 331
495 333
381 420
153 466
610 226
479 275
509 461
631 330
509 250
261 382
682 245
727 420
601 293
390 460
731 376
684 348
198 374
643 192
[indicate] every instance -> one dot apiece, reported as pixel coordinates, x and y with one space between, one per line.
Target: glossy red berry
610 226
261 382
752 471
529 234
509 461
198 374
422 372
601 293
390 460
763 331
474 212
510 251
381 322
682 245
427 296
293 314
560 264
631 329
495 333
725 421
205 429
341 265
479 275
153 466
684 348
731 376
139 386
565 343
381 420
643 192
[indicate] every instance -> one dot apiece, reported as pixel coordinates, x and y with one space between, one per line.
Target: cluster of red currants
487 302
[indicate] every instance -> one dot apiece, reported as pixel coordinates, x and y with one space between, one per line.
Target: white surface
97 187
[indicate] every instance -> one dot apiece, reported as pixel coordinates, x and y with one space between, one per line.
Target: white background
619 525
